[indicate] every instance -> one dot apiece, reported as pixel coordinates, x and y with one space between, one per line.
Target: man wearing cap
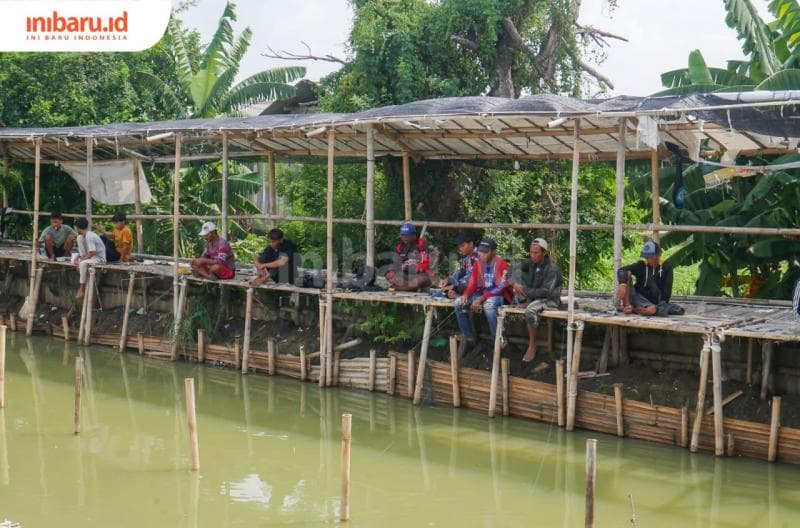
486 290
217 260
652 286
278 261
411 269
455 284
536 282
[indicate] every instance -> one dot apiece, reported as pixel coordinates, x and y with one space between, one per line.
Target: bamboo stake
271 356
273 195
618 405
684 427
87 328
35 243
573 241
12 322
391 376
498 347
412 363
65 327
191 414
406 186
33 301
140 342
237 352
423 355
701 394
3 366
201 345
347 423
123 335
78 382
137 204
591 475
89 175
749 375
370 197
248 316
330 281
329 340
176 222
656 193
766 366
730 447
371 378
323 341
224 205
550 347
560 392
504 367
572 385
620 197
454 371
303 374
337 354
774 425
176 327
716 367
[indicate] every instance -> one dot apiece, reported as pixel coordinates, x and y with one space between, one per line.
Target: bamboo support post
303 373
137 204
767 349
716 368
620 197
701 394
176 327
504 368
423 355
2 367
191 415
591 475
407 215
656 193
618 406
33 301
573 241
323 341
749 373
65 327
550 346
89 176
370 197
730 448
248 323
454 371
391 375
774 426
330 281
201 345
273 194
224 205
412 363
140 342
35 241
347 424
371 378
78 382
572 383
12 322
337 363
87 328
496 356
271 356
237 352
176 222
123 334
684 439
560 392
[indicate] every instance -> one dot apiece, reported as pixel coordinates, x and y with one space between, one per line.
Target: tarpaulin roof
534 127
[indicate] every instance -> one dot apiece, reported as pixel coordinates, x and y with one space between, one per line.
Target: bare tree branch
596 32
470 45
591 70
517 41
287 55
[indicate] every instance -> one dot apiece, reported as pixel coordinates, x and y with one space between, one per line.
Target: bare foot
79 295
258 281
627 309
530 355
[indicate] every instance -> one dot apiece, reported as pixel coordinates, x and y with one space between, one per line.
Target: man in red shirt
217 260
411 269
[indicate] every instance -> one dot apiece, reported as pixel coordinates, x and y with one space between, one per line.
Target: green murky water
270 457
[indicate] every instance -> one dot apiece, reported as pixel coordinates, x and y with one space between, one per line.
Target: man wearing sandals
536 283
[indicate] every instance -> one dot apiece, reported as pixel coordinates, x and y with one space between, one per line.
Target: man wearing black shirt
653 282
278 261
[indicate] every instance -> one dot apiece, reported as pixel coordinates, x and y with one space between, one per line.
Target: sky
660 34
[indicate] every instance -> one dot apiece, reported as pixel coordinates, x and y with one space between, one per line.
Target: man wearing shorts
652 285
217 260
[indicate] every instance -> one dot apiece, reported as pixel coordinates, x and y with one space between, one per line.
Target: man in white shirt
91 250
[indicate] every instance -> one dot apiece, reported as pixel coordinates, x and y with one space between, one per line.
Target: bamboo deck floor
769 320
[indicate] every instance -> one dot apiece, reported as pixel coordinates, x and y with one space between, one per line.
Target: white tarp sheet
113 182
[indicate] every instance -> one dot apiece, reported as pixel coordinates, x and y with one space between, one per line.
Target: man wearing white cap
217 260
536 283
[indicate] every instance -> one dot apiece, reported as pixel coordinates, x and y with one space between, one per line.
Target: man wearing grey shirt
91 250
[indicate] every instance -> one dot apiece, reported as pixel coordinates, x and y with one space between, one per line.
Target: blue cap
408 229
650 249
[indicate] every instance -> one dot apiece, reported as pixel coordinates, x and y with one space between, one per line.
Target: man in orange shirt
123 239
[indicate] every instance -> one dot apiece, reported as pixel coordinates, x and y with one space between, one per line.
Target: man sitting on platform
411 269
455 284
91 250
121 239
58 237
278 261
485 291
653 283
217 260
536 283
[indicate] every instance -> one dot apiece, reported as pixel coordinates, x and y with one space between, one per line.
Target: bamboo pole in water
371 378
87 329
572 384
591 475
34 244
140 342
412 363
191 414
123 334
323 354
65 327
78 381
454 371
423 355
560 392
391 376
347 423
37 284
271 356
176 327
248 316
2 366
303 374
684 426
201 345
618 405
498 347
774 425
766 367
701 394
237 352
504 368
716 368
12 322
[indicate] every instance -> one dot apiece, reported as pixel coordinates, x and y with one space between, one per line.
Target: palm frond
214 53
211 103
754 33
179 51
165 95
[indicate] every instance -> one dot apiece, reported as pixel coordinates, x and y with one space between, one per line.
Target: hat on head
487 244
650 249
408 229
542 243
207 228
